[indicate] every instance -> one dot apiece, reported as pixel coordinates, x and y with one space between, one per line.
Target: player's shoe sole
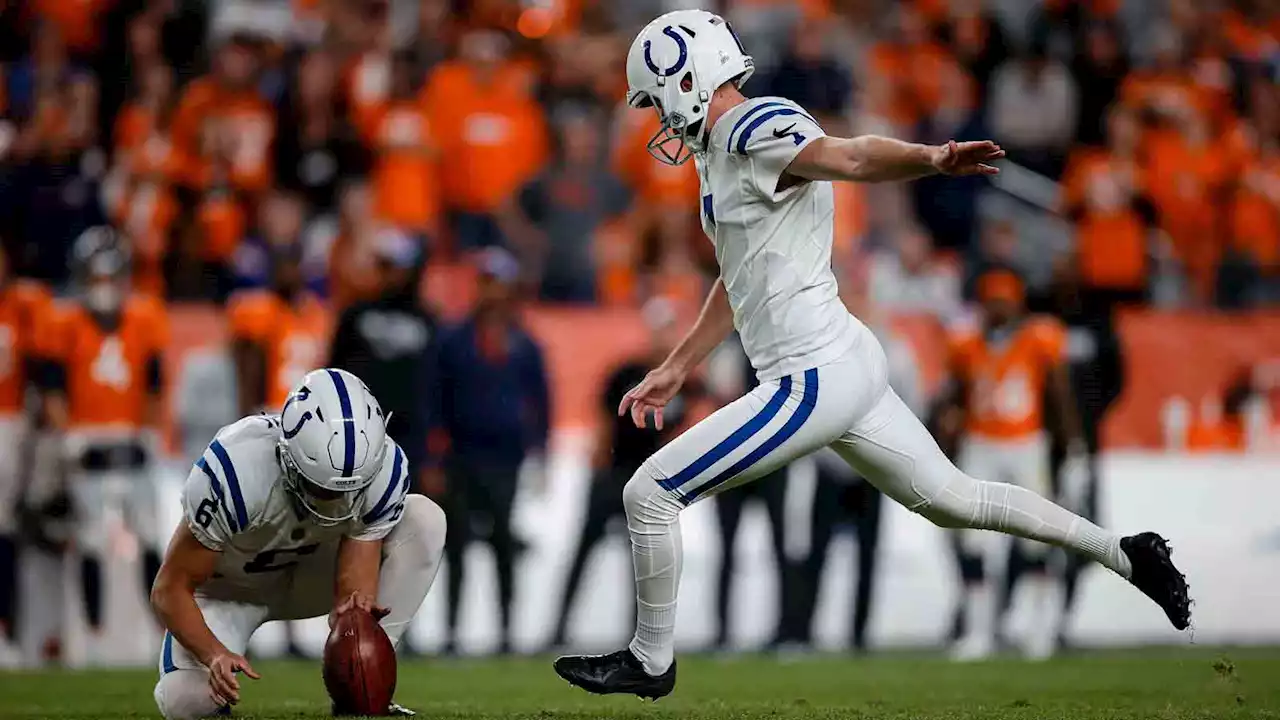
1156 576
615 673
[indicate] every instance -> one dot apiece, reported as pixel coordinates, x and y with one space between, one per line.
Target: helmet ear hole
686 82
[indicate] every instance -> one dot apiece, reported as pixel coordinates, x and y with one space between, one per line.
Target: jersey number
273 560
110 367
204 513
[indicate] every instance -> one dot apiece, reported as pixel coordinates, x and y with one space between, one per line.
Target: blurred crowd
219 134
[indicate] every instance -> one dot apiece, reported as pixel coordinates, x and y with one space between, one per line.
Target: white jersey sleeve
383 501
770 134
229 484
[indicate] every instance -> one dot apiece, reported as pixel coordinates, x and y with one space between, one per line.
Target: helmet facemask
680 136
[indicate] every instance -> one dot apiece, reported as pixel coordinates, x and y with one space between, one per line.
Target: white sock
1018 511
1045 592
656 554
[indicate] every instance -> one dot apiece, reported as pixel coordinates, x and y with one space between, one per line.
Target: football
359 665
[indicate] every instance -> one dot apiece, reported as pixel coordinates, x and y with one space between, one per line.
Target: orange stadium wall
1166 354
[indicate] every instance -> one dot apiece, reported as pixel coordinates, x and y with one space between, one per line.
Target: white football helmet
675 64
333 441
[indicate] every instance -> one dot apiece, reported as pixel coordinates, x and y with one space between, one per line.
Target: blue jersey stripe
747 116
734 441
755 124
394 482
166 654
709 208
348 424
233 483
793 425
218 495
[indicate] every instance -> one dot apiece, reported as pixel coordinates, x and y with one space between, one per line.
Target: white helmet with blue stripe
333 442
675 64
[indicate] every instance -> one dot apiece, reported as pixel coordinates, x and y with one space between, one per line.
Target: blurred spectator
352 263
977 39
277 332
491 411
1105 197
279 233
620 448
808 75
223 128
490 129
406 174
50 193
555 218
909 279
1034 103
1250 270
1099 64
321 151
998 247
385 342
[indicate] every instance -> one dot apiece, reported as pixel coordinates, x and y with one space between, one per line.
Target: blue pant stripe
734 441
233 483
166 655
784 433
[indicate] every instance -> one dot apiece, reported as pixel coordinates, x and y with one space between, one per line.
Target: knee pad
647 501
185 695
423 526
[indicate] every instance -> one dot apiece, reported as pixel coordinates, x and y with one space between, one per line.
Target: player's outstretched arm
663 382
187 565
872 158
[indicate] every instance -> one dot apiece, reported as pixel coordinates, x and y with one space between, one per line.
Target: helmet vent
687 30
319 414
686 82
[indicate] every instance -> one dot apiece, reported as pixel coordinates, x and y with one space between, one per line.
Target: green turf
1169 684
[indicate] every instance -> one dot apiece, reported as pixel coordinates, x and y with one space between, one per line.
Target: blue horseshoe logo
302 394
684 54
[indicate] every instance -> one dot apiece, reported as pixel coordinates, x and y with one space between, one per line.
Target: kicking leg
895 452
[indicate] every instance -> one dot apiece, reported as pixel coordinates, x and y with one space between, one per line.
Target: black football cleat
618 672
1155 575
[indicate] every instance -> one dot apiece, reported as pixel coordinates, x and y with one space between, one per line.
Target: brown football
359 665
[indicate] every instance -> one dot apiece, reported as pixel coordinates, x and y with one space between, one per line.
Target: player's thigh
143 508
758 433
310 586
891 448
232 623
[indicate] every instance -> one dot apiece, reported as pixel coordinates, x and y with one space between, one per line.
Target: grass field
1172 684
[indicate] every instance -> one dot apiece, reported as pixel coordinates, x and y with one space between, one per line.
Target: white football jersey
773 248
235 502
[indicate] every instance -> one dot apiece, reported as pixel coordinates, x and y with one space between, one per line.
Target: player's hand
967 158
359 601
222 677
652 394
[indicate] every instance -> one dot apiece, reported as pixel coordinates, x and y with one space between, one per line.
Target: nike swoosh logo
784 132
